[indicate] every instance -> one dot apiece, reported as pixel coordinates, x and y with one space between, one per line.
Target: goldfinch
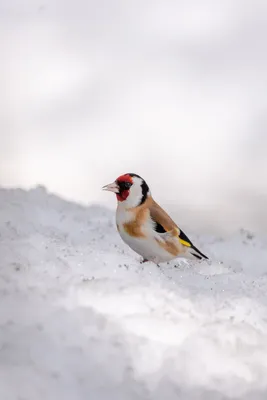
145 226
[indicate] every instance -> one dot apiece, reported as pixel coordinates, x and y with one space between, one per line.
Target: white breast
147 247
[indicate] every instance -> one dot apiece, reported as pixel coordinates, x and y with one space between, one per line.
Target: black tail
196 253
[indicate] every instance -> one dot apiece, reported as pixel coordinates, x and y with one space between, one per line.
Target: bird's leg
144 260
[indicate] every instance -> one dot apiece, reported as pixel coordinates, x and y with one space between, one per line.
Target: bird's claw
144 260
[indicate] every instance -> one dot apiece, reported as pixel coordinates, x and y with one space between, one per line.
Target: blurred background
175 91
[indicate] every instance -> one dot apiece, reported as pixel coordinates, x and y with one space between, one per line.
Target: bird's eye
125 185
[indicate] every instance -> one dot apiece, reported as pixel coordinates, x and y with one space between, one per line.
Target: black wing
159 228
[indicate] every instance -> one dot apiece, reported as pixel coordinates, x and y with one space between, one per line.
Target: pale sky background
175 91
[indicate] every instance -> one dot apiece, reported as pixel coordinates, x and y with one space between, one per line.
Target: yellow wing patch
183 241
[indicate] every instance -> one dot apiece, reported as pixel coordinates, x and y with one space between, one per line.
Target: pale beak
112 187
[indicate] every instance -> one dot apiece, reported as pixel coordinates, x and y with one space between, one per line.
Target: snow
82 319
85 83
84 86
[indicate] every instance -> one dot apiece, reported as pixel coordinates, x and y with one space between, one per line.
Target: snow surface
82 319
86 83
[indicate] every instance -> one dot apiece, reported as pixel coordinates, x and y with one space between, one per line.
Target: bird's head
130 189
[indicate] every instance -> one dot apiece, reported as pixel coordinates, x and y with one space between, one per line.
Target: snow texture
82 319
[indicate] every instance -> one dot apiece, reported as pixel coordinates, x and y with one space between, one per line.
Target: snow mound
82 319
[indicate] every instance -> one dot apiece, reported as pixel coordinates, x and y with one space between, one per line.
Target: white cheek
135 195
132 201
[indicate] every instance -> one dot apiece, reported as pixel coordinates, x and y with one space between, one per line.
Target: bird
145 227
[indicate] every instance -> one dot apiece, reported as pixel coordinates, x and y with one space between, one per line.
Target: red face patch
124 182
125 178
123 195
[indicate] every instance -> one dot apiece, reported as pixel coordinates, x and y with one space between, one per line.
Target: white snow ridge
82 319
